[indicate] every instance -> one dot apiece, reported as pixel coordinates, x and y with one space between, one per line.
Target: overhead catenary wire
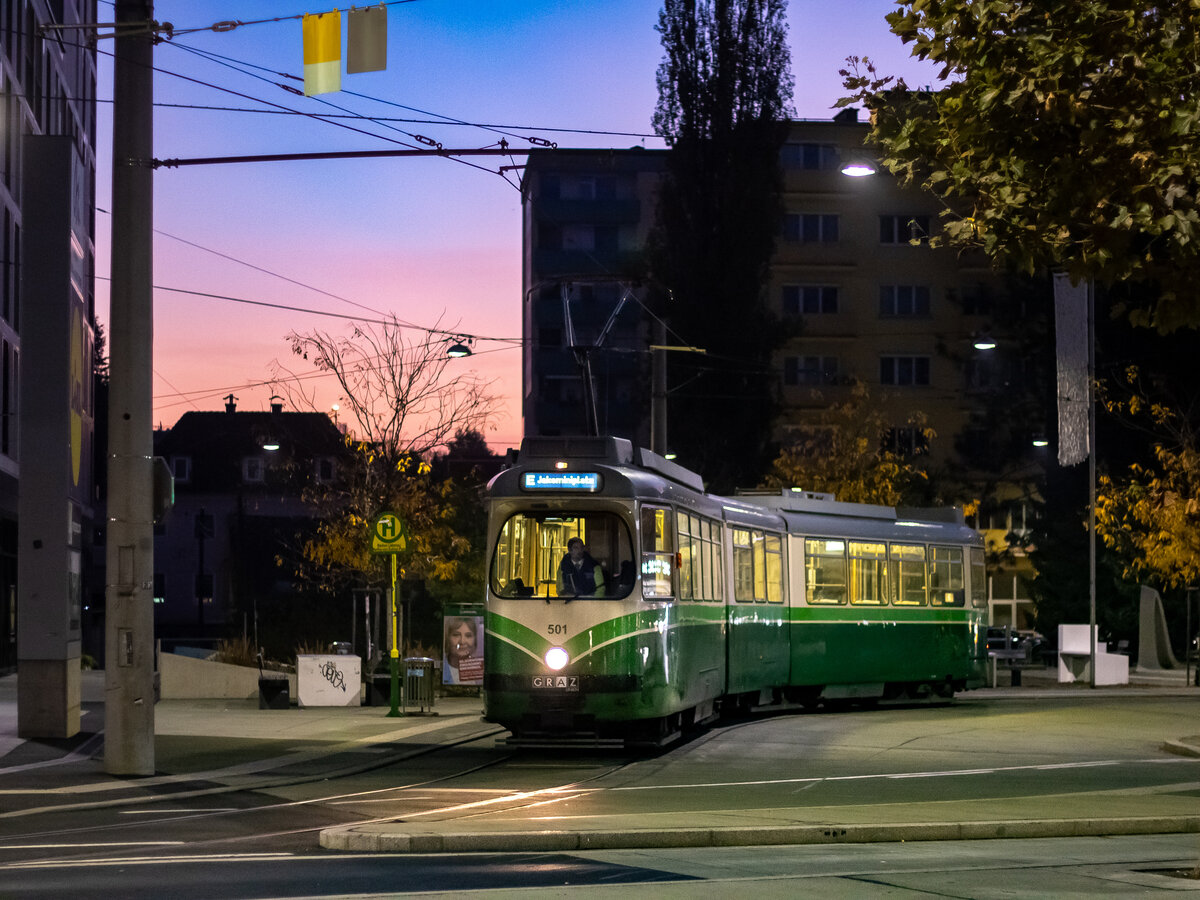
386 318
327 313
189 397
231 24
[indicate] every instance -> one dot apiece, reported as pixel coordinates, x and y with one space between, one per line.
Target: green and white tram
679 602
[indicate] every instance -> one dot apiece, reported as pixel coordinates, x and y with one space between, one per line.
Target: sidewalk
215 746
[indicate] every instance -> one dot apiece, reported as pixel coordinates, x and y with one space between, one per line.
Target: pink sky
423 239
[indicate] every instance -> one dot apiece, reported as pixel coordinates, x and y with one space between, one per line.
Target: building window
596 187
903 229
976 301
567 389
810 228
809 299
903 300
551 185
810 370
904 370
823 157
181 469
1014 517
906 442
252 469
326 469
578 237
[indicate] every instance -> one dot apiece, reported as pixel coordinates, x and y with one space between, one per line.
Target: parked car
1035 645
1002 638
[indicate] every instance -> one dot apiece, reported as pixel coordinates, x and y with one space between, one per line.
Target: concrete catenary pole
129 625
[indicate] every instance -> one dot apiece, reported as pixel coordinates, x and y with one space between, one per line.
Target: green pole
395 661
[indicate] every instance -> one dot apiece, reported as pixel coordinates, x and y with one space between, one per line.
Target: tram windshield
563 555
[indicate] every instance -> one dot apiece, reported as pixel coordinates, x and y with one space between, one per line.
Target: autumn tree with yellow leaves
1150 515
845 453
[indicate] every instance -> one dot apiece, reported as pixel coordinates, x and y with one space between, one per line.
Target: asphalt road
1042 756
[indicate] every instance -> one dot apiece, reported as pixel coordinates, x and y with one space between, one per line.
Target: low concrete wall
184 678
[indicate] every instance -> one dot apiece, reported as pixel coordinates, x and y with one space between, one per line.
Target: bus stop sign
388 534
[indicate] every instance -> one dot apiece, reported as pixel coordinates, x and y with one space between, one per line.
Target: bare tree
403 402
399 394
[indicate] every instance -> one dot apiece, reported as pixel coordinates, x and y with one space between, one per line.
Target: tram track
268 781
110 839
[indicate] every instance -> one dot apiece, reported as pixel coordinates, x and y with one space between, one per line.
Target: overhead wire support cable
241 68
332 154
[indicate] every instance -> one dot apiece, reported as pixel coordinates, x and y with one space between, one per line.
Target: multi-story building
872 303
587 217
47 263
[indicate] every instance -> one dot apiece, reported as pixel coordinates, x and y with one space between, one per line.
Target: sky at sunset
428 240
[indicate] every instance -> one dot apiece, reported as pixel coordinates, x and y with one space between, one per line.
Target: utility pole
658 389
129 616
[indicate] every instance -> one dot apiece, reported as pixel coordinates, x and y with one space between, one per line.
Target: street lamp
460 348
859 167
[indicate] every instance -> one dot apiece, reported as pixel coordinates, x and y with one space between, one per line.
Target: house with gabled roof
245 484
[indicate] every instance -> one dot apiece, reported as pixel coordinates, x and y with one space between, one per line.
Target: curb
366 840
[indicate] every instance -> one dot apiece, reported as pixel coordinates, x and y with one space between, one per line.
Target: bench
1075 657
1015 660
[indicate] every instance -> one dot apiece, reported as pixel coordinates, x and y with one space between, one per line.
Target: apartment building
942 343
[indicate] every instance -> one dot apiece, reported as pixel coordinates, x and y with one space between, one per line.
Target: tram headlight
555 658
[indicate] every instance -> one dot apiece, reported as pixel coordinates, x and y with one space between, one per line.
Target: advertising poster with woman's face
462 652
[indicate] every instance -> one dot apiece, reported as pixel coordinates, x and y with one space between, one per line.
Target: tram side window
946 576
908 574
758 545
743 566
978 579
689 558
825 570
714 581
758 567
868 573
658 552
774 555
698 554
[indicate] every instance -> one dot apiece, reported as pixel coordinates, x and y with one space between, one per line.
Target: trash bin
418 683
272 689
273 693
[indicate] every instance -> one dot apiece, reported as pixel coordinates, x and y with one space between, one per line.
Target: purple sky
424 239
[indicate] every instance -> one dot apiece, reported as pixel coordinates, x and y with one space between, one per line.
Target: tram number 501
556 629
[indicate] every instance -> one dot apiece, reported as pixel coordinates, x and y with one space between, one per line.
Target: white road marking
898 775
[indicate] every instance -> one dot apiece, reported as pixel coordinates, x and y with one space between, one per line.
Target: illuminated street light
460 348
859 168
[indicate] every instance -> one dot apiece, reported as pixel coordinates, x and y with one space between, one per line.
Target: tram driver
578 574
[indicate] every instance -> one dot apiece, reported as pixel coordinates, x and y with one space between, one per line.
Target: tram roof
607 450
803 511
